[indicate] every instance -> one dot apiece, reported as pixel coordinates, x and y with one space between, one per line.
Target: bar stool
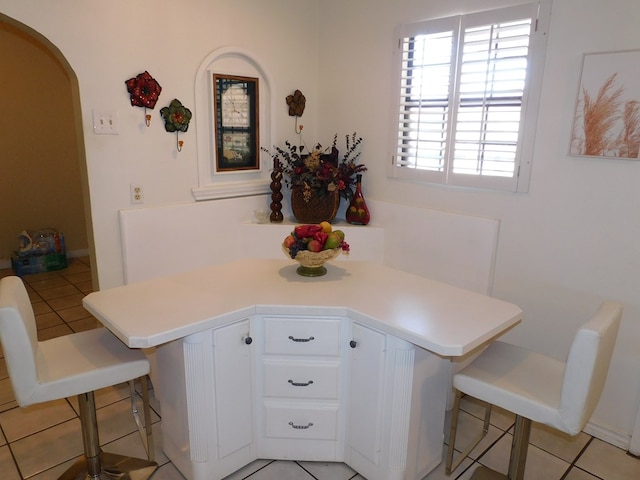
538 388
75 364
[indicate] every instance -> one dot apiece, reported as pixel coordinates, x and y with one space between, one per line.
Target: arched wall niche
32 35
212 184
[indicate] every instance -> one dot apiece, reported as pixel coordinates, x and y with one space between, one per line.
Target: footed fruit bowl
312 246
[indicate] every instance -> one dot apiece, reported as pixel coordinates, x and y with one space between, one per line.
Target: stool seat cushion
518 380
84 362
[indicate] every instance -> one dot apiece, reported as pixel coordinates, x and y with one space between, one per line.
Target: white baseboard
606 435
83 252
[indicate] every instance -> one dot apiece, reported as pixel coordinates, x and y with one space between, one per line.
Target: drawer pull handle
296 384
353 344
248 340
300 427
300 339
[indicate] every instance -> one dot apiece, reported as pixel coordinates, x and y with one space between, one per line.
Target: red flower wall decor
144 90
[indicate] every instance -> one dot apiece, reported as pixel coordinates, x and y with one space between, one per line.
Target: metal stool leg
450 465
96 464
519 447
518 458
144 430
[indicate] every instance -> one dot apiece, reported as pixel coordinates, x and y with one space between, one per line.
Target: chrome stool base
114 467
485 473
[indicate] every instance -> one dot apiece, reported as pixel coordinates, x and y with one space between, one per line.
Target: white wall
570 242
563 247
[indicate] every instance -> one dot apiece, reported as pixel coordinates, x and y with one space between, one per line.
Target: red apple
290 240
314 245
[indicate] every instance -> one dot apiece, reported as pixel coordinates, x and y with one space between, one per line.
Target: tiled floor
41 441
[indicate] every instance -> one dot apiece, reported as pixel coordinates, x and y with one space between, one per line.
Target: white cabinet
394 421
366 396
206 396
300 411
318 388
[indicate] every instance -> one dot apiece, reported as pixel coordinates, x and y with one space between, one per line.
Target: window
467 93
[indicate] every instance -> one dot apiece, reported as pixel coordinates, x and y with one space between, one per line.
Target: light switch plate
105 122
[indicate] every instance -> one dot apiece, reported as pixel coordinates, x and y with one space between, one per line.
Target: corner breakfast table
251 360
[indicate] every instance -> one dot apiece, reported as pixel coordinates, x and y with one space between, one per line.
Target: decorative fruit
314 238
314 245
333 241
326 227
290 240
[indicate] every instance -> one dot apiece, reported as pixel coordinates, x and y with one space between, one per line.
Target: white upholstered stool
75 364
537 388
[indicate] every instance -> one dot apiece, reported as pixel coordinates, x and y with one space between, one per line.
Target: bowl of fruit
312 245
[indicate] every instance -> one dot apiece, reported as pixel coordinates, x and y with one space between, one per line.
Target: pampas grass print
606 125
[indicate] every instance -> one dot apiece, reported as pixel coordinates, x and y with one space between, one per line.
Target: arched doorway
43 162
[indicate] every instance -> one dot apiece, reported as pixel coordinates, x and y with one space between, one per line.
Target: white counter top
435 316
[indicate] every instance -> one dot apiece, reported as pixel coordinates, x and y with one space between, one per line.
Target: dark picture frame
236 125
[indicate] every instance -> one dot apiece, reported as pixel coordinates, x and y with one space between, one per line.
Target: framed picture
236 123
607 116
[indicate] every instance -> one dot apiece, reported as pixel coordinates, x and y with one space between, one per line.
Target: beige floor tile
58 292
609 462
116 421
48 320
6 392
3 369
337 471
21 422
49 283
72 314
48 448
7 465
88 323
79 277
53 332
132 445
85 287
499 417
69 301
541 465
41 307
576 474
54 473
558 443
469 428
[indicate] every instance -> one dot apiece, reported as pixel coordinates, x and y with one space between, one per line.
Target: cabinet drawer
302 380
299 422
317 336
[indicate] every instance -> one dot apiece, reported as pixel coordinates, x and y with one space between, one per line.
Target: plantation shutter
463 93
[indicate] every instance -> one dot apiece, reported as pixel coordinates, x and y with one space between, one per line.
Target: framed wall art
607 116
236 123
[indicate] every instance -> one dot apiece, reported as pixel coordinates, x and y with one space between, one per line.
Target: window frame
540 13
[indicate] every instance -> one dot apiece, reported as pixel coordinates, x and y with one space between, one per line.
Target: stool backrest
19 337
587 366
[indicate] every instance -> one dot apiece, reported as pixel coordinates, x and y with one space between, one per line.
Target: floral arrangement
314 238
320 169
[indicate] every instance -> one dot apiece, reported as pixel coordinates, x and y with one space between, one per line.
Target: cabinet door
366 393
233 387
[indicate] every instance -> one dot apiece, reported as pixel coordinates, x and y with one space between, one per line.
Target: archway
43 158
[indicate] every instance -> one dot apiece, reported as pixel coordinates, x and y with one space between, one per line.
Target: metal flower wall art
144 91
176 119
296 103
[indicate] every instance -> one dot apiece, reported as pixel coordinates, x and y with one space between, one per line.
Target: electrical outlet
105 122
137 195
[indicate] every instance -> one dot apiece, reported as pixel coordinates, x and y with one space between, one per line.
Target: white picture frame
607 113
